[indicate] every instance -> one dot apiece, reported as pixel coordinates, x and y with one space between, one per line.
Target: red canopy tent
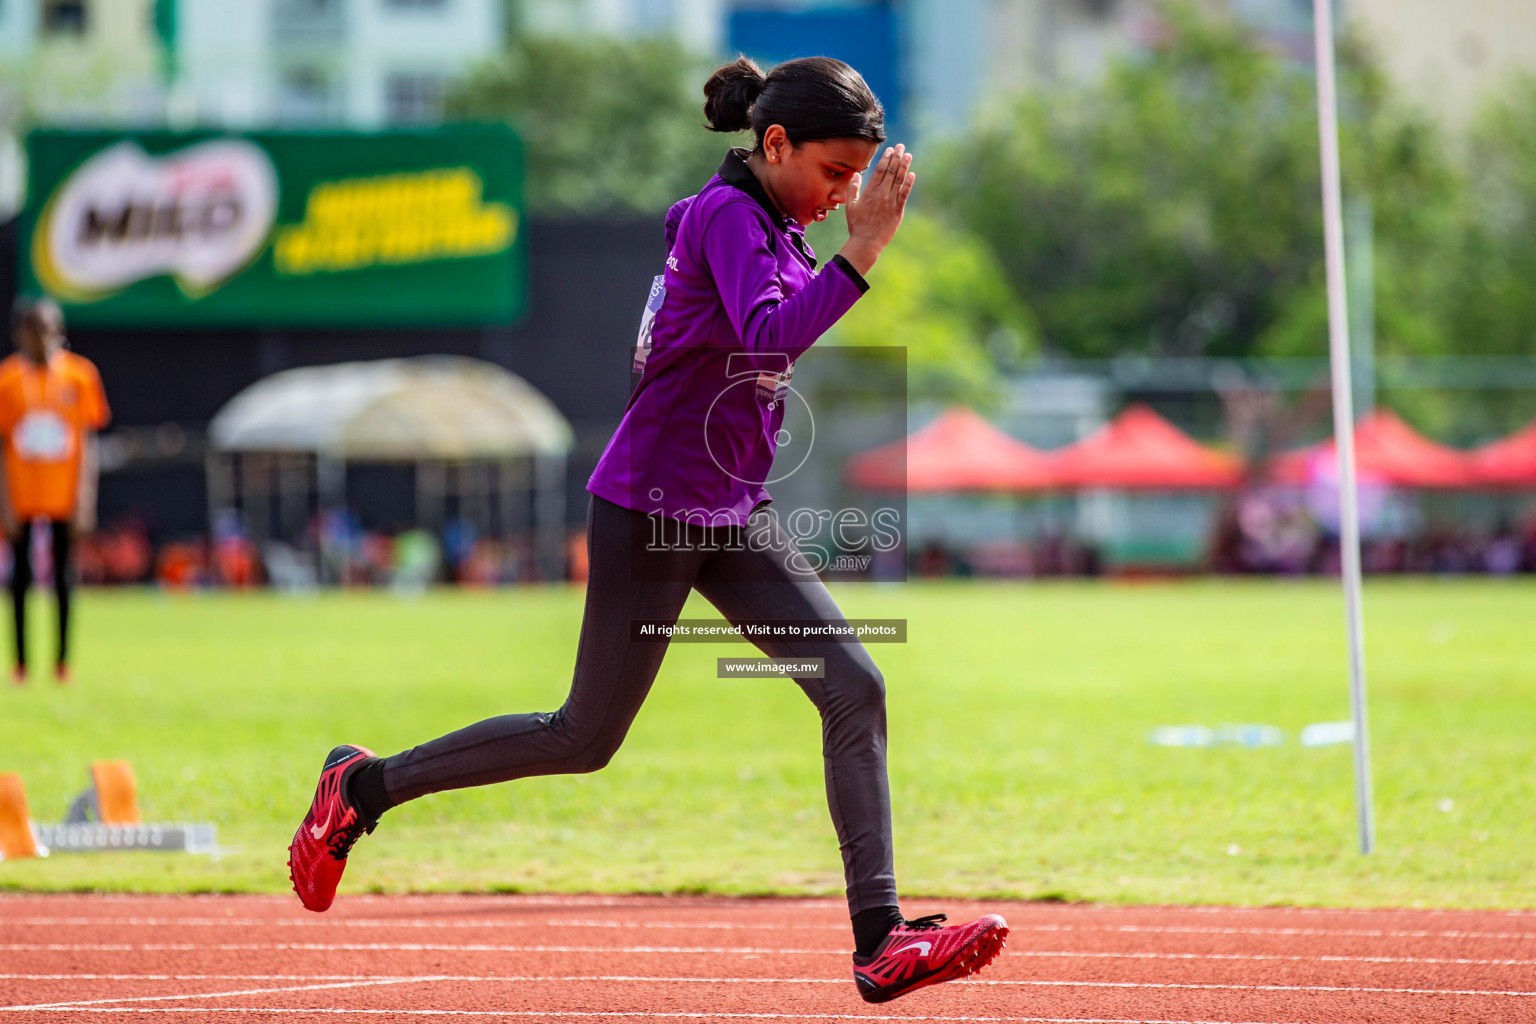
1510 462
1139 450
1387 451
959 451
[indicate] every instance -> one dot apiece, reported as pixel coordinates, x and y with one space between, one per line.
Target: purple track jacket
740 300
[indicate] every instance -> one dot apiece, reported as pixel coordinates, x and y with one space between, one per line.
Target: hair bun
730 93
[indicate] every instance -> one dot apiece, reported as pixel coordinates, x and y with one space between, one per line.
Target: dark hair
30 310
814 98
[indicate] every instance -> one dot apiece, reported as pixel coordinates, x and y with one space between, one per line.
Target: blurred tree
609 124
939 293
1483 279
1491 298
618 126
1174 209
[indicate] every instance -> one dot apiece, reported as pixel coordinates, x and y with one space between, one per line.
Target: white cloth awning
431 407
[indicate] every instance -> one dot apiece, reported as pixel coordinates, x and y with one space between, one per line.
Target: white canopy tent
478 436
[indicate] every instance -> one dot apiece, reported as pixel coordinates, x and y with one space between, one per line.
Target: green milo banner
295 229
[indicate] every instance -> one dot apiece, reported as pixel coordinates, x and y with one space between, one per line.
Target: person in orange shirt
51 405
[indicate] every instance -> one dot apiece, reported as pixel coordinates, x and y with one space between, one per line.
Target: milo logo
198 214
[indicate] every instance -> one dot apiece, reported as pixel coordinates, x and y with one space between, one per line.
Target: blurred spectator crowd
336 550
1257 533
1261 533
1276 534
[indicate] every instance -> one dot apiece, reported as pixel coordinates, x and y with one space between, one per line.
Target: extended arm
747 274
90 475
7 510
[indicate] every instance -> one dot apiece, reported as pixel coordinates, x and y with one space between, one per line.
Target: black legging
630 579
21 582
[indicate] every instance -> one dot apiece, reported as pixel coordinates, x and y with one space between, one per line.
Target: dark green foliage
609 125
1492 301
1174 208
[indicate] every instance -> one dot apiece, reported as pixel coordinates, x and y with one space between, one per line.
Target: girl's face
810 180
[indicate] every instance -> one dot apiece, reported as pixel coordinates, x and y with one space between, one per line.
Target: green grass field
1019 759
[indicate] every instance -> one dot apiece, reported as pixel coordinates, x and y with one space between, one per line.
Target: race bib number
772 387
647 319
42 436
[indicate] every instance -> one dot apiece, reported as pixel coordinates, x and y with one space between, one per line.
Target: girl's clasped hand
874 212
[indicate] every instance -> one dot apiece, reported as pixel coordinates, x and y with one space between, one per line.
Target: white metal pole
1343 410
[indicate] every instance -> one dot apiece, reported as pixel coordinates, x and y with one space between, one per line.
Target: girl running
677 506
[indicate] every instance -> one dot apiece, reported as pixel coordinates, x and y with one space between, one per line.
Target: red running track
579 959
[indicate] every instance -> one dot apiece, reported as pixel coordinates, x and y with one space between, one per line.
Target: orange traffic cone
117 794
16 838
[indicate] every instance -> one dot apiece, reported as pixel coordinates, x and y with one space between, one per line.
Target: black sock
870 927
366 788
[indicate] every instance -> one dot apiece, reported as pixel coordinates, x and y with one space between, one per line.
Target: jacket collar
734 171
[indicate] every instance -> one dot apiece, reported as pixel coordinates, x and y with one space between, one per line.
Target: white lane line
641 1014
501 900
60 1004
188 977
1257 988
752 950
1016 928
668 979
256 922
1128 929
495 903
1284 958
435 947
1431 911
595 900
498 900
1364 933
40 948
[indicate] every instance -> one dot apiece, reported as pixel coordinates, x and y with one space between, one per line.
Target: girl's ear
775 143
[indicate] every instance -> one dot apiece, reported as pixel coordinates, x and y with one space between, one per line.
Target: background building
370 63
1450 56
352 63
951 56
701 24
68 62
85 60
262 63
